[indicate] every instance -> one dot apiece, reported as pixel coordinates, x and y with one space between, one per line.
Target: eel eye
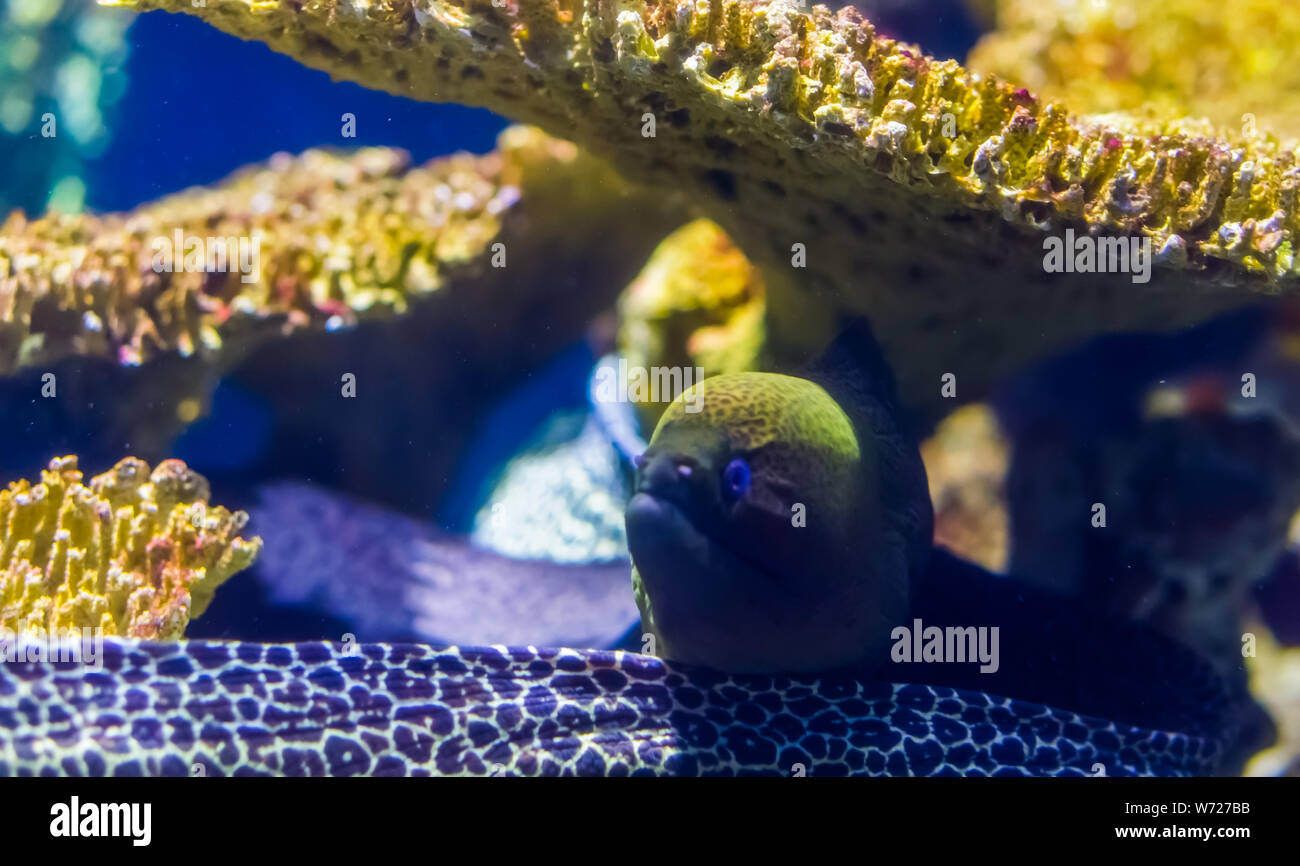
736 479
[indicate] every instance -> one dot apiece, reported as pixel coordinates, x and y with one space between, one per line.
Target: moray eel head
754 511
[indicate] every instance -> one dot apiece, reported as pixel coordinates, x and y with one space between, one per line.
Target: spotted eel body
241 708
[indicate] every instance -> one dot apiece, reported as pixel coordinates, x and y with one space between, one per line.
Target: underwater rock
134 552
802 131
314 242
1197 484
966 464
698 304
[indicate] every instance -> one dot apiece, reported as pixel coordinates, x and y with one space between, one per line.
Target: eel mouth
659 532
717 609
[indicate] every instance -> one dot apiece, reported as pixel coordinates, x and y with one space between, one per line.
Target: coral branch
338 239
135 553
895 170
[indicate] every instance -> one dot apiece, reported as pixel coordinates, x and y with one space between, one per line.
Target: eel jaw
666 541
705 605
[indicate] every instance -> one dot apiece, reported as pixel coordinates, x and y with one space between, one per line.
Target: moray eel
771 529
778 644
389 577
232 708
782 525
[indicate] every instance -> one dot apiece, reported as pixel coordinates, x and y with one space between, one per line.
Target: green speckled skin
806 571
792 429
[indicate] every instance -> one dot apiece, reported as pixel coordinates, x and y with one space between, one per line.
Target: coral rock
698 302
134 552
896 170
966 464
316 242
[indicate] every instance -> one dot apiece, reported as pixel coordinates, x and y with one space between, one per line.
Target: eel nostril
665 471
639 461
685 466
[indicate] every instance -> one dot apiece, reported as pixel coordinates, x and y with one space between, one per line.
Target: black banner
244 816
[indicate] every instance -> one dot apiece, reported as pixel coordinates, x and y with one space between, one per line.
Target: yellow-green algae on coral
1233 63
921 192
966 465
134 552
340 238
698 302
344 239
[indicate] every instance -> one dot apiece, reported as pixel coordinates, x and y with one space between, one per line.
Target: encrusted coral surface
134 552
476 250
340 239
1233 63
895 171
698 302
966 465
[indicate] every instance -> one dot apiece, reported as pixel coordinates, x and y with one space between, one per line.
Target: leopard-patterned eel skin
406 709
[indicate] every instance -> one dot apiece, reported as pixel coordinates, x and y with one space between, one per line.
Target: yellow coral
896 171
1275 679
698 302
135 553
966 464
1231 62
340 238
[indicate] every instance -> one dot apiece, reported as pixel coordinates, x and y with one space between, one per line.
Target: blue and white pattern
239 708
